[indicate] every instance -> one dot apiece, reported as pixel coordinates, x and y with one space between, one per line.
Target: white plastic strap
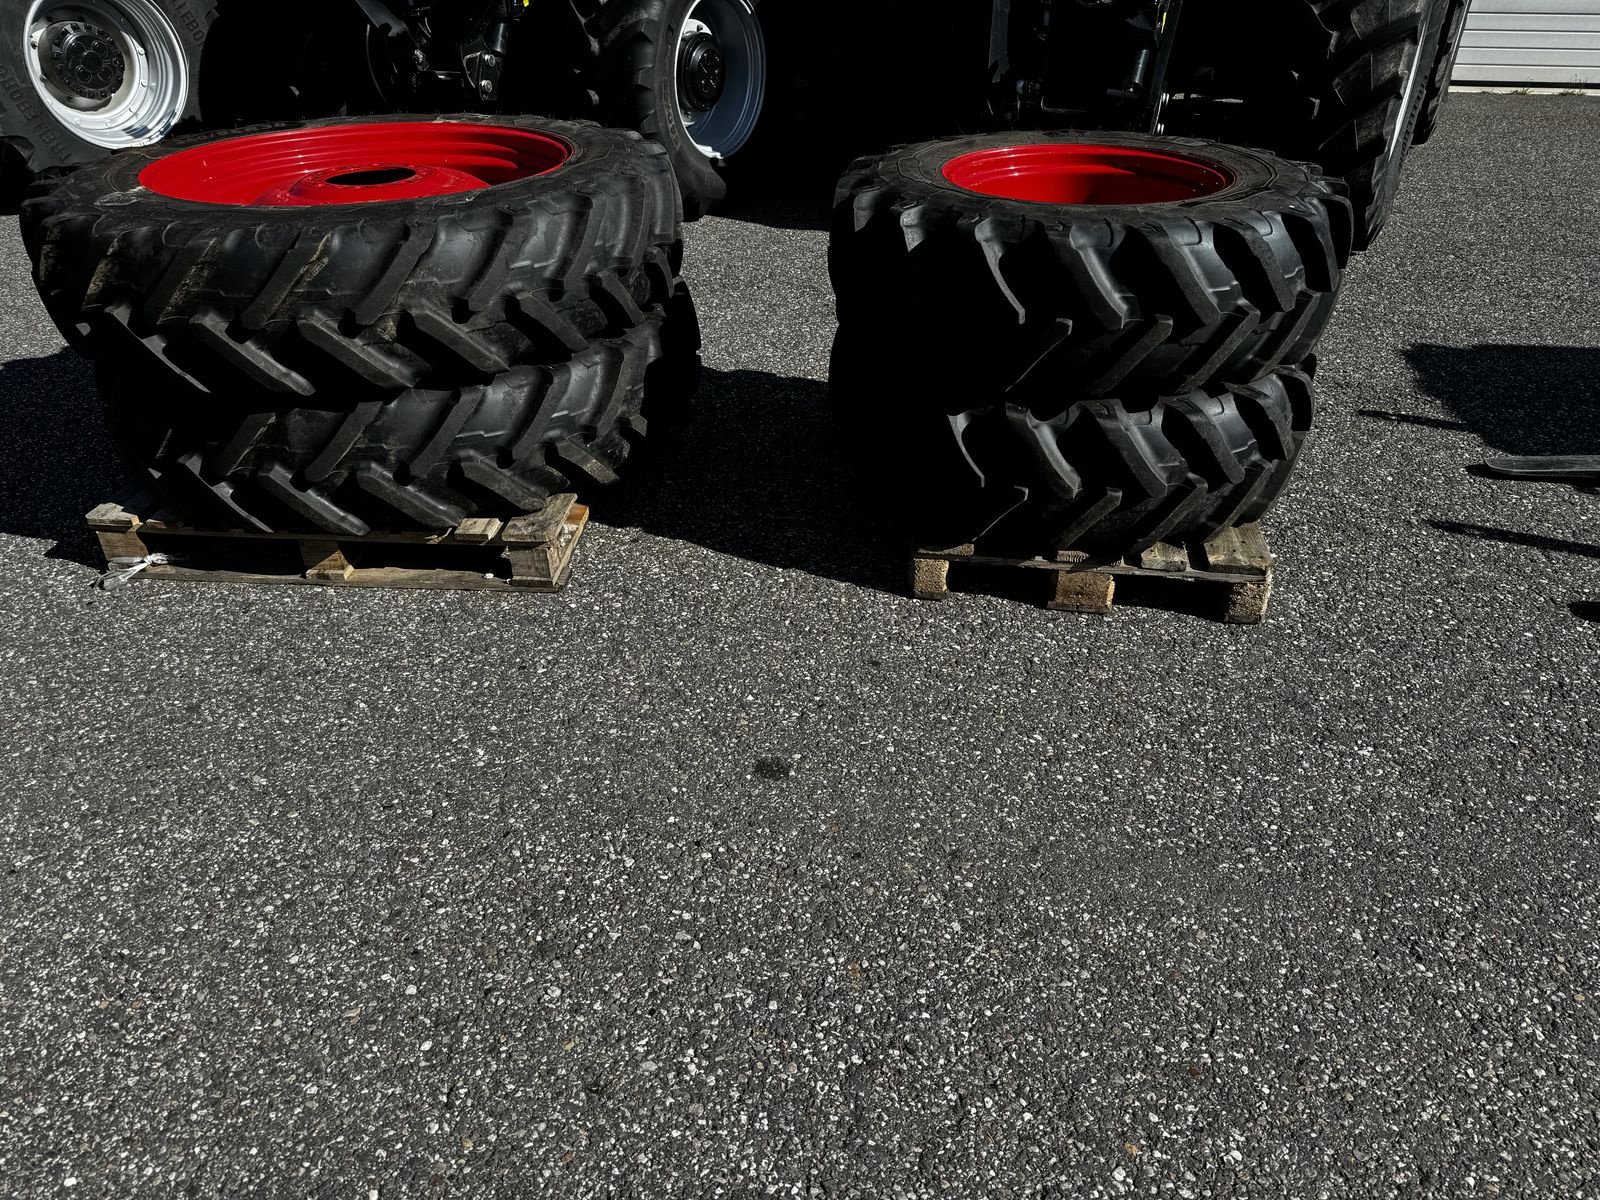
120 571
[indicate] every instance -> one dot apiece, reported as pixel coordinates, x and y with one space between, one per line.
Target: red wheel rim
1076 173
354 164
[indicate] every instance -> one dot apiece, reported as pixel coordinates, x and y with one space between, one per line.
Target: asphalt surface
732 871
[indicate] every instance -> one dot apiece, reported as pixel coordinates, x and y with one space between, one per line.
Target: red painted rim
354 164
1078 173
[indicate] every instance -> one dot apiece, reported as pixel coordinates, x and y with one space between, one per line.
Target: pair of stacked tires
346 326
1089 342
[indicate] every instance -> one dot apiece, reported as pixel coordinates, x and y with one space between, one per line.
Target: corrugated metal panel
1544 43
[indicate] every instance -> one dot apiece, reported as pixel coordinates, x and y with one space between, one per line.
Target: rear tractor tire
1342 83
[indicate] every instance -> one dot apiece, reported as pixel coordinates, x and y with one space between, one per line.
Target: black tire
1341 83
1014 298
32 136
634 82
1455 24
425 457
1108 476
467 307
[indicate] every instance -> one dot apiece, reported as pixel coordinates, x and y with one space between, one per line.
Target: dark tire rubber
1027 300
634 82
34 140
1341 83
426 456
1455 24
326 338
1107 476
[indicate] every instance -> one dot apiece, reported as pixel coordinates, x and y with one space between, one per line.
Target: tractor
1350 84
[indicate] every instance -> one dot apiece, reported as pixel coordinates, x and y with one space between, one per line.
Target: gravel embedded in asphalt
733 871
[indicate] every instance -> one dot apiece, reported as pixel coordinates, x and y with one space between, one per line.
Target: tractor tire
641 77
1109 476
423 457
278 315
107 75
1341 83
1094 264
1455 24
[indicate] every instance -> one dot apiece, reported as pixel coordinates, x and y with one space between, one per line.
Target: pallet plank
401 578
542 526
1242 549
122 545
1164 558
111 518
478 529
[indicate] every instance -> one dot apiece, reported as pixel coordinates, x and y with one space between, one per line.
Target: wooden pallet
529 553
1235 563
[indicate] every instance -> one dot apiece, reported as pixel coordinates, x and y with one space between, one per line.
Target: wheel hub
83 61
702 72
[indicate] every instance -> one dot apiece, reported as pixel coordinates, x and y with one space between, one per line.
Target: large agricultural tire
329 288
424 457
1342 83
1455 25
82 78
1109 476
652 59
1096 265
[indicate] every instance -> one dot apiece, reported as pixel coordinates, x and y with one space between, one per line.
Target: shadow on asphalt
59 461
1586 610
1521 400
758 472
1512 537
1397 418
1518 399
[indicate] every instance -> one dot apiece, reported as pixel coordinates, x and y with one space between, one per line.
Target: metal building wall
1542 43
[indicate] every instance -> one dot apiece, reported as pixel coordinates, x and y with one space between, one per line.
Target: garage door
1542 43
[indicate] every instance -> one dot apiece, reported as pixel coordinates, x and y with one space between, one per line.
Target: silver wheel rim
724 128
112 71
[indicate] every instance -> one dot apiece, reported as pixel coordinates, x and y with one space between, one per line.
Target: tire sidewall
24 115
